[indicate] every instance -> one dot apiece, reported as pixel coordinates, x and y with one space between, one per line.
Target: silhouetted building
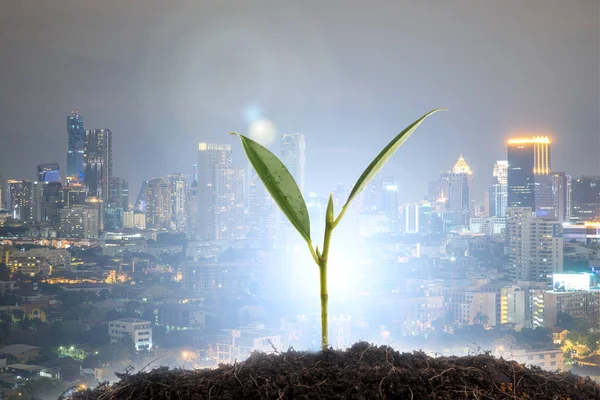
76 146
49 172
98 162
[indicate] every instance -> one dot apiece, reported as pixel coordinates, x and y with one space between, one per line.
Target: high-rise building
75 148
585 199
261 209
98 162
96 204
561 194
211 157
229 204
49 172
75 193
411 218
192 208
534 245
498 191
79 222
460 192
119 193
140 200
528 158
2 192
20 197
178 190
293 155
158 205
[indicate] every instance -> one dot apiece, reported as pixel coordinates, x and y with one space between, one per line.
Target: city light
530 140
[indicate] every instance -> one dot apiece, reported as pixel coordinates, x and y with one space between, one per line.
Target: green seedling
285 192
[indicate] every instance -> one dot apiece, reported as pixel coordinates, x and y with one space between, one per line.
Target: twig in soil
441 373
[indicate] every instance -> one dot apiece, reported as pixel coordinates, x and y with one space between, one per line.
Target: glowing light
461 167
594 224
263 131
530 140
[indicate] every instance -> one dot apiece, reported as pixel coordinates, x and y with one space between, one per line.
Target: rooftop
17 349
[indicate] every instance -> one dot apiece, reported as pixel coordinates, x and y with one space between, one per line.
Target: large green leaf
280 184
383 157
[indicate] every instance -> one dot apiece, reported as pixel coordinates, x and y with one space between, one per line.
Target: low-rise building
140 331
238 344
547 359
182 316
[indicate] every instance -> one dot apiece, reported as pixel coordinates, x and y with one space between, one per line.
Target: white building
237 344
128 221
139 330
489 226
534 246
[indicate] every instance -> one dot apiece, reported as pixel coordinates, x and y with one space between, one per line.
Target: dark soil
362 372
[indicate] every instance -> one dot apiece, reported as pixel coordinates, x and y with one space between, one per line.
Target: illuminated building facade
178 190
498 191
561 194
49 172
229 210
534 245
158 205
528 158
79 222
75 149
460 192
98 162
20 198
119 193
211 157
293 155
586 199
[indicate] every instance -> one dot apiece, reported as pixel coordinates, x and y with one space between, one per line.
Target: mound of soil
362 372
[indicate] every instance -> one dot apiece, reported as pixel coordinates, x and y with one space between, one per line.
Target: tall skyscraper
158 205
178 190
534 245
20 197
561 193
119 193
96 204
498 191
460 192
49 172
192 209
229 204
2 192
75 148
293 155
211 157
98 162
586 199
528 158
261 210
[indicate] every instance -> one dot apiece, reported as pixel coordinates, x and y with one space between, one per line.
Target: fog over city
136 233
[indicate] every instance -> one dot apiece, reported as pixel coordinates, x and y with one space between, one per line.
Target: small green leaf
382 158
280 184
329 218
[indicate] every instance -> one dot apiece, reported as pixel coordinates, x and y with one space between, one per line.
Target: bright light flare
262 131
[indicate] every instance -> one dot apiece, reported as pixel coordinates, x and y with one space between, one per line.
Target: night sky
165 75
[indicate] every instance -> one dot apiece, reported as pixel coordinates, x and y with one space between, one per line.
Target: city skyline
346 112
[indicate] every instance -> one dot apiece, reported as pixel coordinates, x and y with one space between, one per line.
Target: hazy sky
165 75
